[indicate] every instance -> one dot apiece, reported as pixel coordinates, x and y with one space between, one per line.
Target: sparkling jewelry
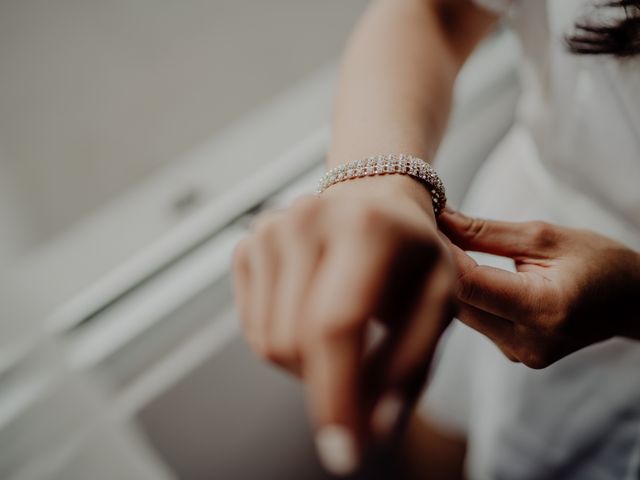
389 164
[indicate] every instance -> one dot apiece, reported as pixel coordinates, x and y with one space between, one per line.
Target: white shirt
572 158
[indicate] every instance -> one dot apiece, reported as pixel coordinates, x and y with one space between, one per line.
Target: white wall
14 218
96 95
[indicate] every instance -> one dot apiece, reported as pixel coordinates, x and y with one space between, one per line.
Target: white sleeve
496 6
446 402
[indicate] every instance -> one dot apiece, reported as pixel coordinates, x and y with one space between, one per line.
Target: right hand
310 279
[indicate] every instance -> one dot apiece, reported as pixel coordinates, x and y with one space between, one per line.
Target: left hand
572 288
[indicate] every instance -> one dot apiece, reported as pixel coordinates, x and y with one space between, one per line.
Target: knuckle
284 353
331 329
465 289
476 227
266 349
278 354
267 228
510 354
534 358
328 331
511 357
266 352
543 234
306 206
537 229
302 218
336 323
366 218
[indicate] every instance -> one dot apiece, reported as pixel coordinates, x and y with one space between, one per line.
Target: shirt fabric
572 158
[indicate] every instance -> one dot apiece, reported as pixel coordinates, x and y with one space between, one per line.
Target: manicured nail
386 415
337 450
375 334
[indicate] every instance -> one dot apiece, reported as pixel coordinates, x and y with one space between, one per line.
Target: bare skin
310 280
572 287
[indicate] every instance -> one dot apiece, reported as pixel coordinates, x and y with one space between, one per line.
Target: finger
432 314
408 355
346 295
508 239
333 379
298 266
499 330
514 296
302 244
263 266
462 261
264 216
241 280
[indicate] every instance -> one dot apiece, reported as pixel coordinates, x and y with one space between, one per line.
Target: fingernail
386 415
337 450
374 335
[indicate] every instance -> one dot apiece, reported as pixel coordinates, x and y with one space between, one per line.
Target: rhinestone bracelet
389 164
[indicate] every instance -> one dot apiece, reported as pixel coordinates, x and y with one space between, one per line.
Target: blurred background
137 139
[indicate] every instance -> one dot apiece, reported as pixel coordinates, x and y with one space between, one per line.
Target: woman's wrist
394 187
389 164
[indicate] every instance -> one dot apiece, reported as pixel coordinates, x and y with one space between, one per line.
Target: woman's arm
398 75
309 279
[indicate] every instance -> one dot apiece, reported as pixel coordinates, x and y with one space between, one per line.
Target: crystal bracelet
389 164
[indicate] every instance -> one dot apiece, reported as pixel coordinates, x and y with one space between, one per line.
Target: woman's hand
572 288
310 279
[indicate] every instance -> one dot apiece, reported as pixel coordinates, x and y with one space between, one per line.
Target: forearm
398 73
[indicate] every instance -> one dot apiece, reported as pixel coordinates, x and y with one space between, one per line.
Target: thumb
508 239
